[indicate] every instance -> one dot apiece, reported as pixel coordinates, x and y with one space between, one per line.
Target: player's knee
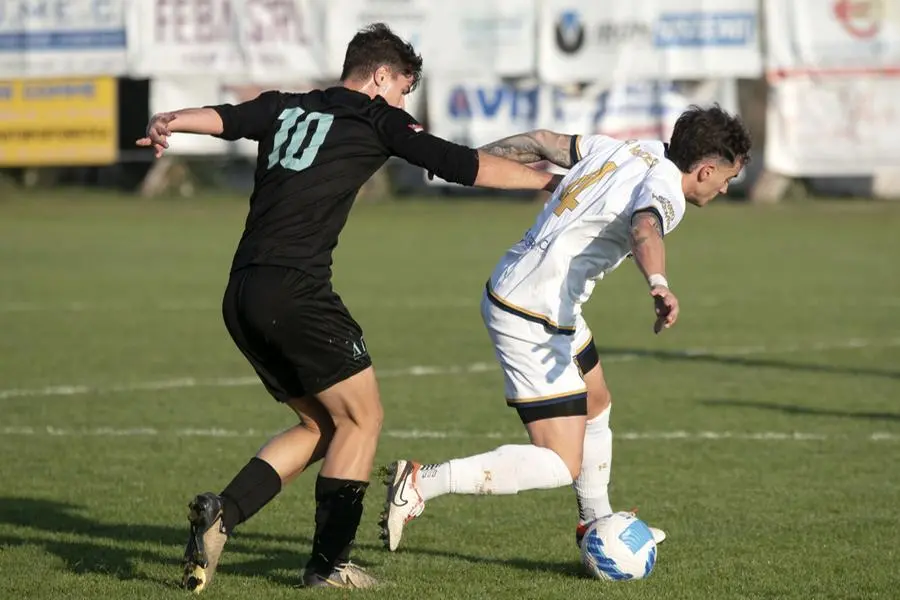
573 464
571 456
324 428
365 415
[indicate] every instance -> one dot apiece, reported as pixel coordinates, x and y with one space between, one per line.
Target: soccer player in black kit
316 150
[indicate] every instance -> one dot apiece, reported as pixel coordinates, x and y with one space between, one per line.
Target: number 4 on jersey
293 132
568 199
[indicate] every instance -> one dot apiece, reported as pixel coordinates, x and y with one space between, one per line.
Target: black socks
250 490
339 508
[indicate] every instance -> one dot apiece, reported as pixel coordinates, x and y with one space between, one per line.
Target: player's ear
382 75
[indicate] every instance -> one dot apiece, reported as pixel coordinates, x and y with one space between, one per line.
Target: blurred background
759 432
816 80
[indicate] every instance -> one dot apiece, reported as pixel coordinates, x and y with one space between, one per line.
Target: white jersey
583 232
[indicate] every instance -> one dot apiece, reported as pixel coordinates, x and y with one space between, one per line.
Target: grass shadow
808 411
88 546
744 361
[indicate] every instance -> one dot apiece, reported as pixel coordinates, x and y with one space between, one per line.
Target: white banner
644 110
238 40
44 38
496 37
819 36
343 18
834 126
476 113
636 40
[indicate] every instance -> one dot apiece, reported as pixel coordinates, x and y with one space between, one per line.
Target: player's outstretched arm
404 137
504 174
534 146
187 120
649 253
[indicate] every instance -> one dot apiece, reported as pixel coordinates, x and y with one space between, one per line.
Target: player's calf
355 409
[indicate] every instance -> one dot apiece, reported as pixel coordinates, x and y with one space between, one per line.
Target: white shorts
540 367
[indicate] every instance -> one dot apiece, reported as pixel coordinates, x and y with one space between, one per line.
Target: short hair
377 45
704 133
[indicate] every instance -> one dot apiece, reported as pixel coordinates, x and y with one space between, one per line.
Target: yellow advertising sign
58 122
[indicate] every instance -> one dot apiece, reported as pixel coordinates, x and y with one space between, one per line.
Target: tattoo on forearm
520 148
532 147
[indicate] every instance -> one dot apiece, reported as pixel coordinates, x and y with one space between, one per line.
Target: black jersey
316 150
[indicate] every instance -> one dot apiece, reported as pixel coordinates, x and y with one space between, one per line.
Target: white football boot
659 536
404 501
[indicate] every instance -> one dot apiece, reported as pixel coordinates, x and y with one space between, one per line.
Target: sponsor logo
569 32
860 18
667 209
698 29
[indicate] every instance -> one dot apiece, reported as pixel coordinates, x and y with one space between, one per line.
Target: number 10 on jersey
293 132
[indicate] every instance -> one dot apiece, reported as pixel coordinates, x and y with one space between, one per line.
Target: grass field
763 432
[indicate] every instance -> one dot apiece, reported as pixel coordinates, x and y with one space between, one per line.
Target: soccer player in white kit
618 199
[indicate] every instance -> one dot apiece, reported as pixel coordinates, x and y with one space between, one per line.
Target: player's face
393 87
712 179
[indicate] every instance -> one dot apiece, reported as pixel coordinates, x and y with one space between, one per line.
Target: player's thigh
355 401
251 297
325 345
542 380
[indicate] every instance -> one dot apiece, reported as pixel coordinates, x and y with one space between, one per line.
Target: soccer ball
618 547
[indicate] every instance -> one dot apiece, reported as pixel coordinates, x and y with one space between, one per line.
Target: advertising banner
833 126
58 122
236 40
647 39
71 38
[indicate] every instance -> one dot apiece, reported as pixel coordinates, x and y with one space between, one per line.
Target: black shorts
294 330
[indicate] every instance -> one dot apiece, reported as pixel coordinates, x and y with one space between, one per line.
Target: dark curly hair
377 45
703 133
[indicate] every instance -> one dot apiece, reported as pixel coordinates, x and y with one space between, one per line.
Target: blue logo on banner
489 101
61 25
705 29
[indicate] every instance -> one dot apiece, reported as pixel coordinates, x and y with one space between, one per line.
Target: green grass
775 489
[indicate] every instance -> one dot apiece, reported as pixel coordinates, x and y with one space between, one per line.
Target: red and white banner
834 74
832 35
833 126
234 40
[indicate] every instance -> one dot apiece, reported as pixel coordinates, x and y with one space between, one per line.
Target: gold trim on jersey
527 314
584 346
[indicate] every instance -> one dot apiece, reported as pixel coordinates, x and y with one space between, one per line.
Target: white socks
507 470
592 485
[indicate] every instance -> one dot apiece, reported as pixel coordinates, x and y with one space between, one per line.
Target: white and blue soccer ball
618 547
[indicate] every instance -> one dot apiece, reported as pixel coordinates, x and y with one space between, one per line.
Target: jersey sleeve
582 145
404 137
668 207
251 119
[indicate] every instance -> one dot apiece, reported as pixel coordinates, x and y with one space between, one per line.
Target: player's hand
157 133
666 305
